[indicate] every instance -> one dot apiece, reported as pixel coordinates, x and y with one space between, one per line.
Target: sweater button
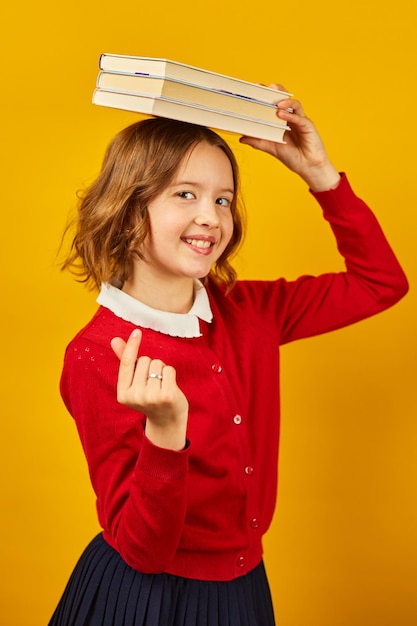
217 368
248 470
241 561
254 522
237 419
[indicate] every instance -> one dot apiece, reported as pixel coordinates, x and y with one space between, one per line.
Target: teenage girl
174 383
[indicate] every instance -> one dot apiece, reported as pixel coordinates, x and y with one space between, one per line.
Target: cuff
339 201
161 463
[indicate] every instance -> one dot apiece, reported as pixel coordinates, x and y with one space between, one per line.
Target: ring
158 376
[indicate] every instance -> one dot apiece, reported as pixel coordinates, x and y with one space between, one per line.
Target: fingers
118 346
131 346
278 86
259 144
290 105
152 375
153 370
169 376
141 377
127 353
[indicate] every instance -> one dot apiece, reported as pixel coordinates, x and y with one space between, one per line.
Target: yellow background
342 550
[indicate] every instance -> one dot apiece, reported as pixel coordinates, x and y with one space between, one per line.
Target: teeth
198 243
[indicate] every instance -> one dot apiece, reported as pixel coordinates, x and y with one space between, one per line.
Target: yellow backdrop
342 550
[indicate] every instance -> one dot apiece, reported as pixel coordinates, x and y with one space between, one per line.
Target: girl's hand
149 386
303 152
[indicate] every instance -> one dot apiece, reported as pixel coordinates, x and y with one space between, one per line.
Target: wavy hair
112 221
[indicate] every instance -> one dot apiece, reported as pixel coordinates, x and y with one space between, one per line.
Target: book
164 68
187 92
161 106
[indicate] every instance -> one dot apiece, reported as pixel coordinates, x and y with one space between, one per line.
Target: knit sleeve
311 305
140 488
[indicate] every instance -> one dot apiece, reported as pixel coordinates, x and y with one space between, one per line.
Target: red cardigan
201 513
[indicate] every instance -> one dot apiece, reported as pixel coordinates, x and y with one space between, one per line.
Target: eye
224 202
187 195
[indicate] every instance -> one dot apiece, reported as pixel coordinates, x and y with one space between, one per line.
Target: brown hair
139 163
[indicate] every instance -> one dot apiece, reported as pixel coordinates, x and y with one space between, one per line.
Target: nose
207 214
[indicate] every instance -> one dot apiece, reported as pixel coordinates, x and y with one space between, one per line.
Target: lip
208 240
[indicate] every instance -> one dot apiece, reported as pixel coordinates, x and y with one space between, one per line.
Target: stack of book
182 92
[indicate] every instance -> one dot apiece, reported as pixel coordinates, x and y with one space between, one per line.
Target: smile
199 243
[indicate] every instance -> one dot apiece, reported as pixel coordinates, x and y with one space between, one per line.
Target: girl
173 384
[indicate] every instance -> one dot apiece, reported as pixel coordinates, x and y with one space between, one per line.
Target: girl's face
191 221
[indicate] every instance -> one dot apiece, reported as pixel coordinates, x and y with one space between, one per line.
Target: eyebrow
179 183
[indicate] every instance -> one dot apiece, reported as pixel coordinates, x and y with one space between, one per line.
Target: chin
200 274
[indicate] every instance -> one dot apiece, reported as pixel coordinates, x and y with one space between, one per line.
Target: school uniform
182 531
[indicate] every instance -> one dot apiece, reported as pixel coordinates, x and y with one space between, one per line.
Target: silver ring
158 376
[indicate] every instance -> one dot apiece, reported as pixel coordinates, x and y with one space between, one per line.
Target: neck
172 297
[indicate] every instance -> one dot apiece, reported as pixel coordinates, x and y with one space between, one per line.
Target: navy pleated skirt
104 591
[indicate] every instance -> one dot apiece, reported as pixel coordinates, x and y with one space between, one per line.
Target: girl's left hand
303 152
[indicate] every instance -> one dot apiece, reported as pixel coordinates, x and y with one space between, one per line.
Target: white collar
174 324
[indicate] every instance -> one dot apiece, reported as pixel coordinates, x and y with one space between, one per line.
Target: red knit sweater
201 513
